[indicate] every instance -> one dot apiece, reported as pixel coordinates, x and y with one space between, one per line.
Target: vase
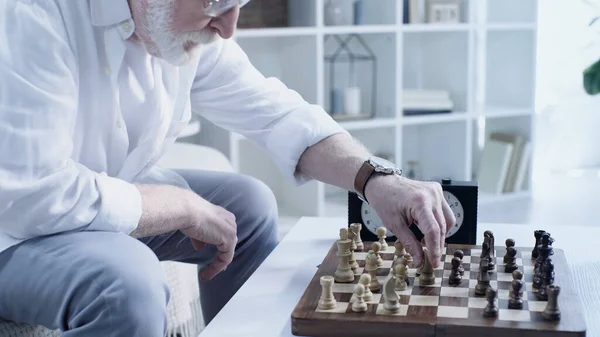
338 12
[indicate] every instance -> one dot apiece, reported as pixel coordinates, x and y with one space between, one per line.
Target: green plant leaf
591 78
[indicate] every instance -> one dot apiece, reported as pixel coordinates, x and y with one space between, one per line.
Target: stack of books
422 102
504 163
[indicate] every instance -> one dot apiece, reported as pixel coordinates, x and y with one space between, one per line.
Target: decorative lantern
352 78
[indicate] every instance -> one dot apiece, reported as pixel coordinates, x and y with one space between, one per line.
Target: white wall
566 46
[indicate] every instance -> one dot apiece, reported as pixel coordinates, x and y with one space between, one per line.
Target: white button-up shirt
85 114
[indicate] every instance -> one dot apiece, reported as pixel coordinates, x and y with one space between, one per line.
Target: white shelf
486 63
487 198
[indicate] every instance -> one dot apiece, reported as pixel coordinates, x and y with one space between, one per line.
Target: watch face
370 218
383 165
457 209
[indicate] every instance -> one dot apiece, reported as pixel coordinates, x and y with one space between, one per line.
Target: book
494 165
518 142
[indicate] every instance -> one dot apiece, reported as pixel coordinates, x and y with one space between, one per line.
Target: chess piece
356 228
359 304
491 252
509 243
327 301
382 235
455 277
491 309
376 248
365 280
547 279
371 268
400 273
552 311
544 251
460 254
392 300
511 260
516 295
399 251
343 273
352 260
537 234
427 276
483 279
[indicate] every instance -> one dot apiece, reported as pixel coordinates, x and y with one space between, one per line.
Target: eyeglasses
215 8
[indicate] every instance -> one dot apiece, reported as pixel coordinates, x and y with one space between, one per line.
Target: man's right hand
212 224
169 208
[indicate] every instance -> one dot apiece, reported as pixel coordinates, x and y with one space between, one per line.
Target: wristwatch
373 165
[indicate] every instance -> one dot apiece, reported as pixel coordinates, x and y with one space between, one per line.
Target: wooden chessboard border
307 321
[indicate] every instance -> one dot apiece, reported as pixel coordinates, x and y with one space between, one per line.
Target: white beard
166 43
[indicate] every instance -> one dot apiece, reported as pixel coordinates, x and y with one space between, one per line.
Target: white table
262 307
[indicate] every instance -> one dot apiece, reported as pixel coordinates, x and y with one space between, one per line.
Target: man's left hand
400 202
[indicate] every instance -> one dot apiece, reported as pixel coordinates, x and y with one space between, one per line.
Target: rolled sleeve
43 190
230 92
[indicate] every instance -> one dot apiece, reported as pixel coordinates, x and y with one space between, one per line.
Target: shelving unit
486 63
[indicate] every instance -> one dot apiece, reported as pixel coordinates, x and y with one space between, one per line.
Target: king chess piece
552 311
460 254
515 300
491 309
455 277
382 235
356 228
344 273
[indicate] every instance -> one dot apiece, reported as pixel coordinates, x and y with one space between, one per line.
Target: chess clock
461 196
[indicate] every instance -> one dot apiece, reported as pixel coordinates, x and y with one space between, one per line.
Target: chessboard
441 308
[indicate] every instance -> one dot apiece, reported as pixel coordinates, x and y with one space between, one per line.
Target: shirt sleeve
230 92
42 190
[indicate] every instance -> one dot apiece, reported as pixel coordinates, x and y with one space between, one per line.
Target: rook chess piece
392 300
552 311
516 295
382 234
371 268
344 273
455 276
365 280
359 304
327 301
427 276
400 272
491 309
509 243
356 228
511 260
460 254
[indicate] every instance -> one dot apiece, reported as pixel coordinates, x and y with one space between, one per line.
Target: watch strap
362 177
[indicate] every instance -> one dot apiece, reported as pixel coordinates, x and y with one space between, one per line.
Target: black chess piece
509 243
511 260
544 251
491 309
537 234
488 236
460 254
552 311
483 279
547 278
516 295
455 276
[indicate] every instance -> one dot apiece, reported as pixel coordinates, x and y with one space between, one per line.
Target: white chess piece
365 280
359 304
344 273
356 228
371 268
392 300
382 235
327 301
400 273
376 247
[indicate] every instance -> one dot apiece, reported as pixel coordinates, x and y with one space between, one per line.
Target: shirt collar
109 12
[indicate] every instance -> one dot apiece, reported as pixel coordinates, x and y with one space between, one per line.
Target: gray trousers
108 284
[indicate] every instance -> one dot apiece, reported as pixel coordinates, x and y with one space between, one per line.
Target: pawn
516 295
455 277
509 243
491 309
365 280
427 275
371 268
460 254
510 260
376 248
400 251
359 304
382 235
400 273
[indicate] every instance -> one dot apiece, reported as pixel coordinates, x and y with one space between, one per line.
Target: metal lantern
347 86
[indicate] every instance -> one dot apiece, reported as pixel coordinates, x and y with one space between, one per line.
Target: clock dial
457 209
370 218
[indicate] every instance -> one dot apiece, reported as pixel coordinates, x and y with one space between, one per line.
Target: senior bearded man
91 92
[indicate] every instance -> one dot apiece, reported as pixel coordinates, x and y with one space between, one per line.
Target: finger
431 231
198 245
448 215
439 216
223 258
411 244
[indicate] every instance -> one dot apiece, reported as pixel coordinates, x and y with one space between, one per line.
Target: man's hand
212 224
399 202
